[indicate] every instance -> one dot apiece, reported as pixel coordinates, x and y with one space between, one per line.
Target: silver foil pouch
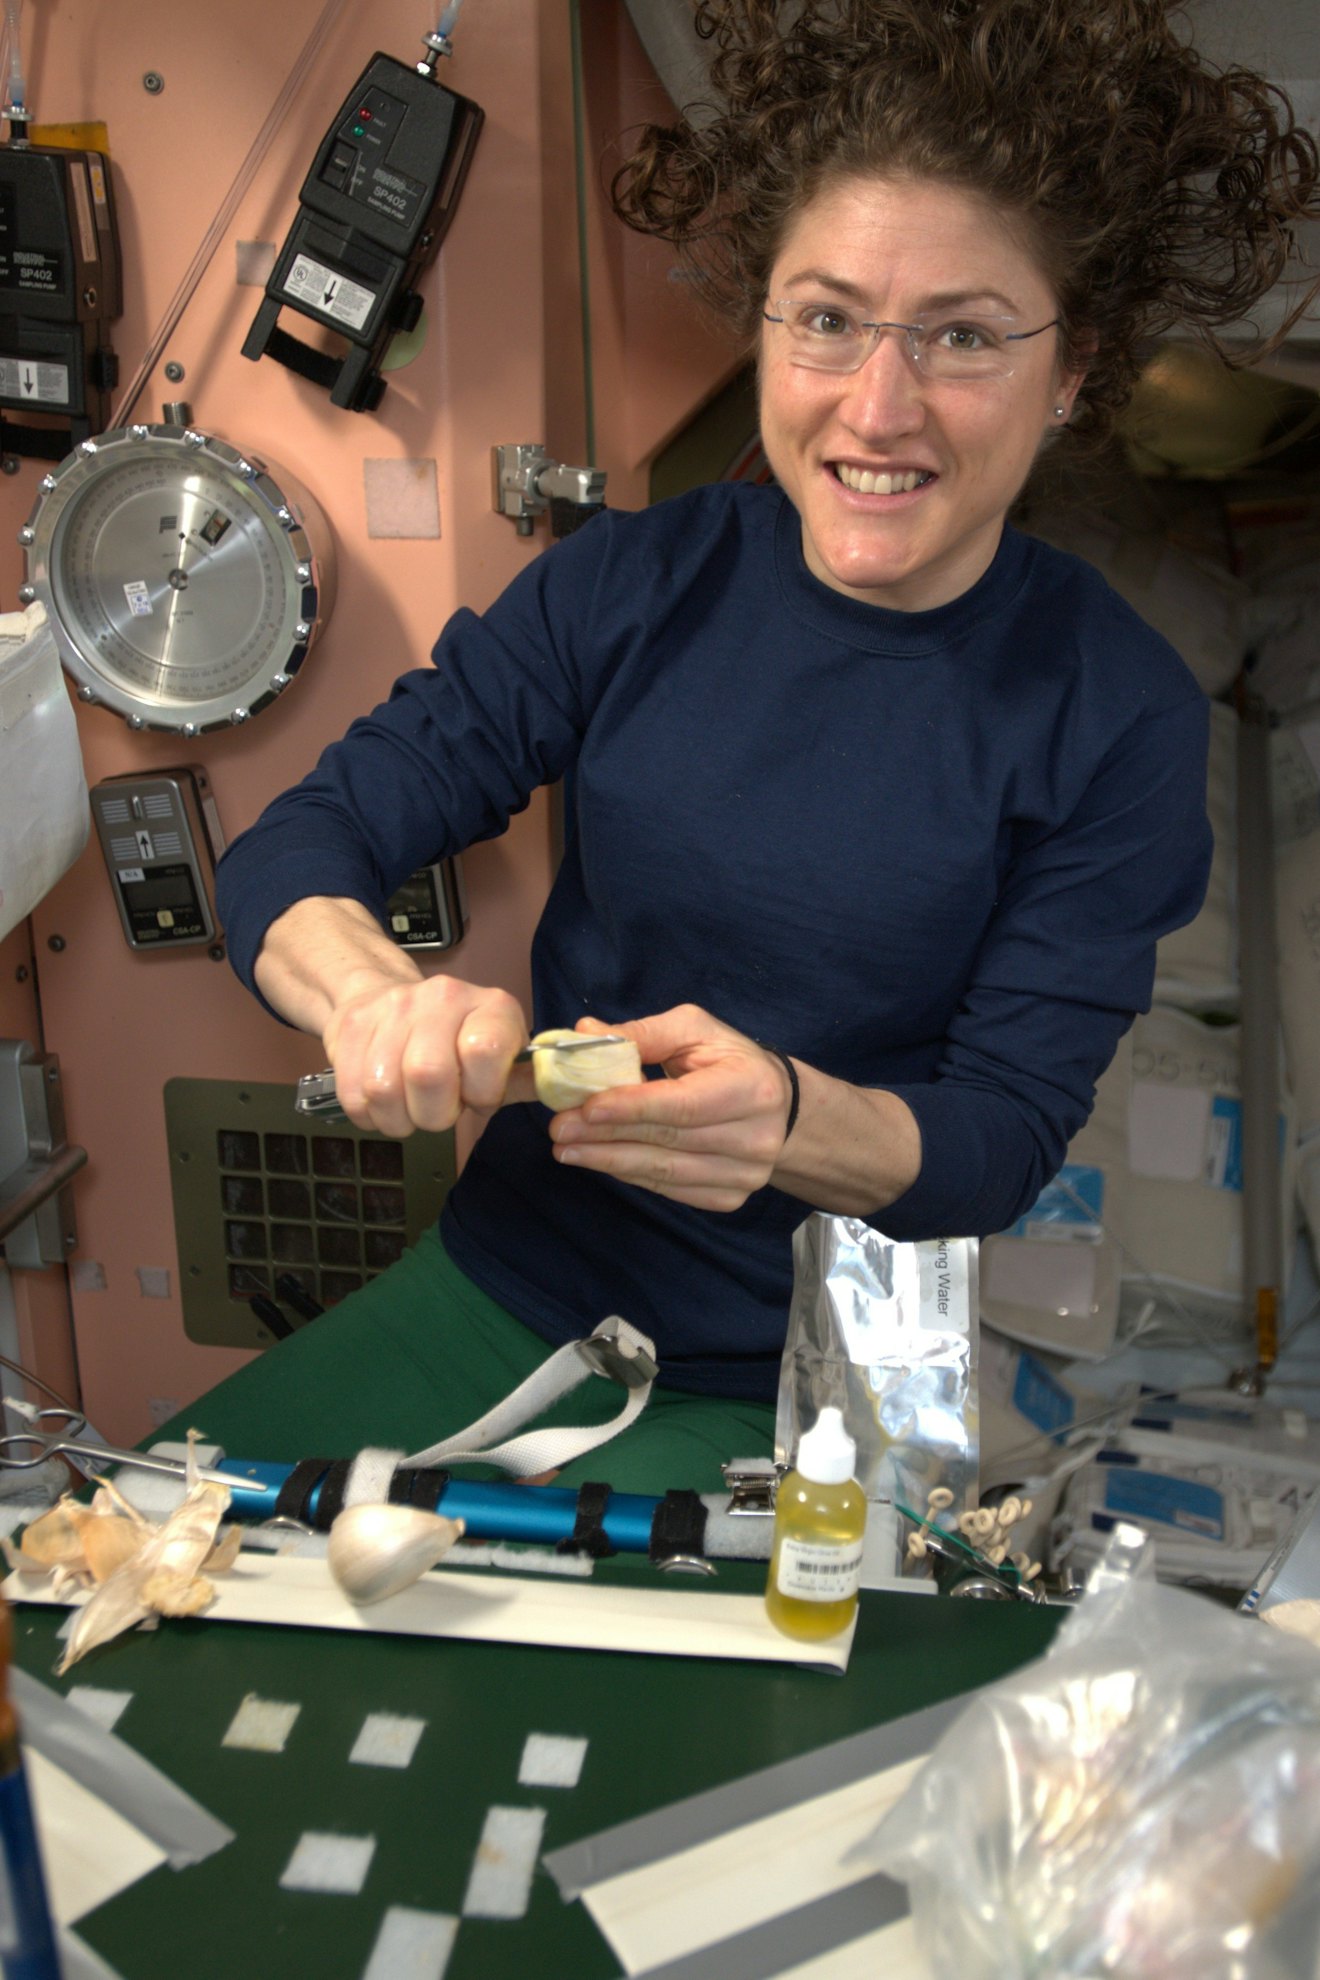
886 1332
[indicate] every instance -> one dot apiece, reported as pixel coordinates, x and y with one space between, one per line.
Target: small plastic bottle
820 1517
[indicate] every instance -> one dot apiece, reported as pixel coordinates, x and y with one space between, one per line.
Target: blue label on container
1040 1397
1180 1502
1224 1153
1059 1206
1223 1156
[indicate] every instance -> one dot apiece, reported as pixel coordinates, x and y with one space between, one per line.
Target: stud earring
1061 412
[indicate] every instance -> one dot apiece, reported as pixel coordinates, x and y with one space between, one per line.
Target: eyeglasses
824 337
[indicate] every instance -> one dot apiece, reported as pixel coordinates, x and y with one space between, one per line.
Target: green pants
419 1353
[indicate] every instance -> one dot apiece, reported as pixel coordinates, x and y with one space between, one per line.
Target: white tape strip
386 1740
261 1725
336 1864
501 1879
551 1760
411 1945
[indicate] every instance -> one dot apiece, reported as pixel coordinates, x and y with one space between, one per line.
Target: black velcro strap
296 1491
330 1498
412 1487
589 1535
319 366
678 1526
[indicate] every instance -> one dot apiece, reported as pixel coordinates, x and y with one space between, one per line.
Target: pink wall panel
501 318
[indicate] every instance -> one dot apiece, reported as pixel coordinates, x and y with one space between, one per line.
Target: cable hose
201 261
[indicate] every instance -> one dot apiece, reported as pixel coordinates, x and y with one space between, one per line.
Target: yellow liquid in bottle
811 1590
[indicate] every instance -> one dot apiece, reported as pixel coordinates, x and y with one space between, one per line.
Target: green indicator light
358 131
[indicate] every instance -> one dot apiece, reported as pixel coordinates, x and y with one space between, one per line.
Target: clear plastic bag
1143 1802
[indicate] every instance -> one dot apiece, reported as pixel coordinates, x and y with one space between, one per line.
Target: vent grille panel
259 1192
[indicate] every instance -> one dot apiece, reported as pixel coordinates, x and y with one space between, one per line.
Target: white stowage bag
1297 879
1196 967
1154 1193
44 813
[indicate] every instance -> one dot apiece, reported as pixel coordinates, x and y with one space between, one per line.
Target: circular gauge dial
184 581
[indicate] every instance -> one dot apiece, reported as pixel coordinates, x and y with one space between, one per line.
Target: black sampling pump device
373 210
59 292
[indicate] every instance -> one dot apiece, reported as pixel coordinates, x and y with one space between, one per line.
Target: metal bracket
753 1484
318 1096
609 1352
525 482
37 1225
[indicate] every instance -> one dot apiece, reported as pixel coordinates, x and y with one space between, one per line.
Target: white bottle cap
826 1454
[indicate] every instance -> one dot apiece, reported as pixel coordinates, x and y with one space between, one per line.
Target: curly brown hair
1156 191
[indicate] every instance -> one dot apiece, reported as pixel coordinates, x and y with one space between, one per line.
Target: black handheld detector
373 210
59 293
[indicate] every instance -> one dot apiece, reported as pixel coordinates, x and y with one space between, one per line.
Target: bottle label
815 1571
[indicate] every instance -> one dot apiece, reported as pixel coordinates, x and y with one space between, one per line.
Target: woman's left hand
708 1134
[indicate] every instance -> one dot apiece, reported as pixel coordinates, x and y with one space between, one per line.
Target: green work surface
657 1728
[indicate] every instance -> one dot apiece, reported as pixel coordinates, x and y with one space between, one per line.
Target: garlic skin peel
566 1079
377 1551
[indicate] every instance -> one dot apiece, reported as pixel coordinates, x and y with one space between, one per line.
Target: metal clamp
525 482
615 1353
37 1224
686 1564
316 1095
753 1484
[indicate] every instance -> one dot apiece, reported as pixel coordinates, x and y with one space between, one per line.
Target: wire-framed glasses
828 337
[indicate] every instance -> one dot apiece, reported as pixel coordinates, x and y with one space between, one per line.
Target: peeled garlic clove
1300 1617
566 1079
375 1551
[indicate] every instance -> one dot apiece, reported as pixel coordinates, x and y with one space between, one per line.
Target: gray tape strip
684 1824
794 1936
79 1961
108 1766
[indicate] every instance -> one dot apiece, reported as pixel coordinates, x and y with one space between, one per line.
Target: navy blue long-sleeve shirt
927 851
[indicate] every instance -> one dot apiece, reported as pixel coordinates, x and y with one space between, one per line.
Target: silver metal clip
608 1351
752 1483
316 1095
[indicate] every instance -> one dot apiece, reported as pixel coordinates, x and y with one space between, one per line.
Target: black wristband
794 1090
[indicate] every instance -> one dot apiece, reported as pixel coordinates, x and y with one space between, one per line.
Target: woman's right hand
408 1051
414 1055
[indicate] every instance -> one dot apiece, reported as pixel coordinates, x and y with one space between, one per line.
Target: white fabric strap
369 1477
615 1349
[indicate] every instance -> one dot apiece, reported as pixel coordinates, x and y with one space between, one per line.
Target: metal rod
57 1170
1262 1199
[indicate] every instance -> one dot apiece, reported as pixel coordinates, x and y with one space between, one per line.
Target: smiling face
952 453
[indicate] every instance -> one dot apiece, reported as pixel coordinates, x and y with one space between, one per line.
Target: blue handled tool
545 1515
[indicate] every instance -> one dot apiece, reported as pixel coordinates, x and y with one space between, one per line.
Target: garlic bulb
375 1551
1300 1617
566 1079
